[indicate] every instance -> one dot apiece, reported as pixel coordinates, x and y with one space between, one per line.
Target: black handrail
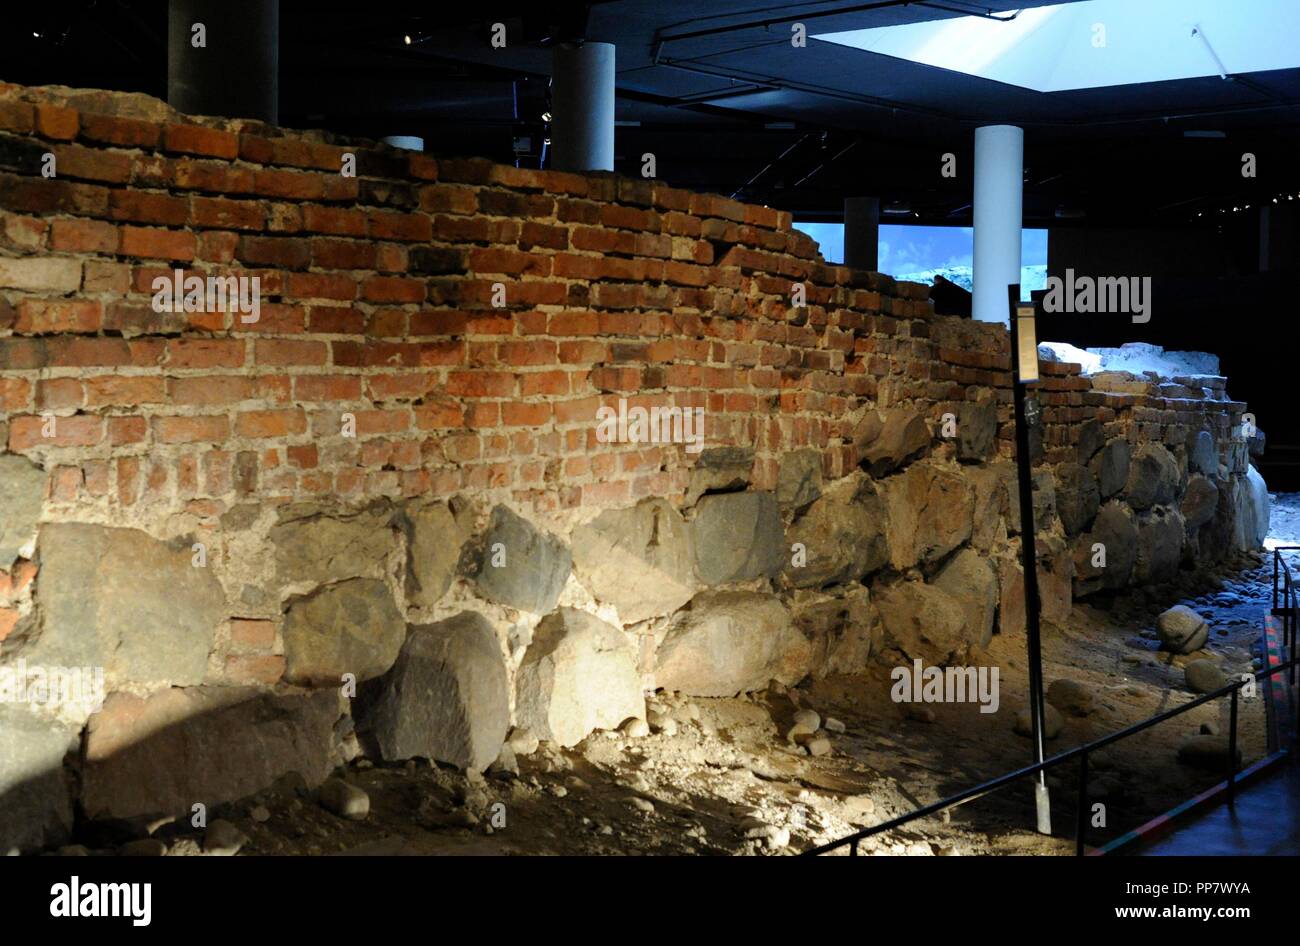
1289 618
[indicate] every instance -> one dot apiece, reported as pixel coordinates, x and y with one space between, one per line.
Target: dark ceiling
726 103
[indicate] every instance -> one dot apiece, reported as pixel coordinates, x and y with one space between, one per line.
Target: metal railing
1289 611
1290 601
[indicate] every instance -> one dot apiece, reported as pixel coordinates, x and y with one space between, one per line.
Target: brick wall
377 301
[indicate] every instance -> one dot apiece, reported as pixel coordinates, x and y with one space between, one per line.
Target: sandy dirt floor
718 776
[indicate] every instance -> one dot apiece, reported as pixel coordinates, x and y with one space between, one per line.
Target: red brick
321 286
15 393
44 316
195 139
393 289
276 351
210 389
292 185
397 226
337 220
343 254
213 176
17 116
519 414
205 353
54 394
147 207
55 121
266 424
527 353
65 484
83 236
481 384
123 390
249 634
127 132
227 214
26 432
255 668
285 252
318 387
201 429
303 456
158 244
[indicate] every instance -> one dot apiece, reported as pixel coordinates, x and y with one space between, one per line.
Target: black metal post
1029 558
1082 827
1275 555
1232 747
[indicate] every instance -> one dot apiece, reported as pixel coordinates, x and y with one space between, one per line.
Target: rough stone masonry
379 519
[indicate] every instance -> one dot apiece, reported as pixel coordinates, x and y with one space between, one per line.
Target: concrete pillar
235 73
582 107
409 142
999 191
862 233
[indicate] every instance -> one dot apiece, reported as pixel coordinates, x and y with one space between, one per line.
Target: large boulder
923 621
1202 454
799 479
125 601
737 537
929 512
1252 514
1043 496
977 430
1077 497
1055 586
889 440
435 534
1152 477
1053 722
517 565
1011 595
720 470
161 754
637 559
318 546
1092 437
1161 534
446 698
731 642
22 493
1204 676
35 801
989 484
1200 500
844 629
1105 556
1182 630
842 536
579 674
1070 696
350 627
1110 466
971 581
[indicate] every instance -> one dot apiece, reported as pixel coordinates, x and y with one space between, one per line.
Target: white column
862 233
999 190
582 107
